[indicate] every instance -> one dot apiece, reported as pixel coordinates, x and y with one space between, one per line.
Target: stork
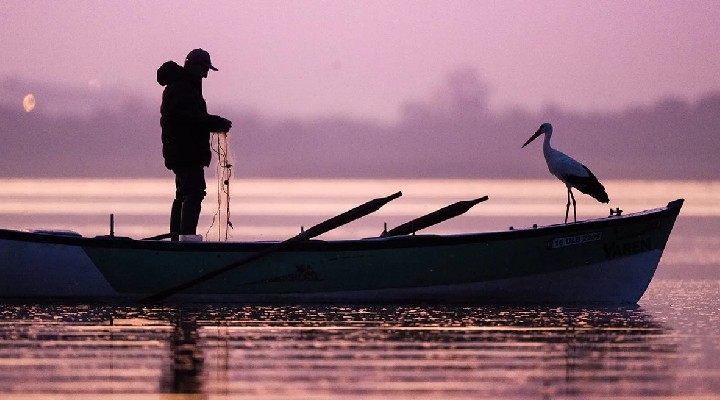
569 171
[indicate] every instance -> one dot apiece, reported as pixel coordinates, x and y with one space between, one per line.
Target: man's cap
199 56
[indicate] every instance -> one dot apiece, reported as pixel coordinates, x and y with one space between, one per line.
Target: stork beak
533 137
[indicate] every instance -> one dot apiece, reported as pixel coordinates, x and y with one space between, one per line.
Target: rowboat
607 260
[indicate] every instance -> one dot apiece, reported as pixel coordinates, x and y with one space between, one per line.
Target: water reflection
331 351
186 367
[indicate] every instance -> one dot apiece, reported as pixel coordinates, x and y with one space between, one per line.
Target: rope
223 171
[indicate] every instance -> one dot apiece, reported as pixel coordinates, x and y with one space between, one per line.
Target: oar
325 226
435 217
161 237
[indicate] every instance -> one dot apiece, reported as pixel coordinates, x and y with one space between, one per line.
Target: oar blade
349 216
434 218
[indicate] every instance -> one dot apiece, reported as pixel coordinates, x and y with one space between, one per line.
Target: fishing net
223 172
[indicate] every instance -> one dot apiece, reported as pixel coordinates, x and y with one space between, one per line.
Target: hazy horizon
452 133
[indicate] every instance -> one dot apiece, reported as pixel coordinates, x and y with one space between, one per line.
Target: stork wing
588 184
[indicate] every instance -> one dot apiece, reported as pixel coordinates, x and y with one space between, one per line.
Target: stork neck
546 142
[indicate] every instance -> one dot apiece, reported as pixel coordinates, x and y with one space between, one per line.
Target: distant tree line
453 134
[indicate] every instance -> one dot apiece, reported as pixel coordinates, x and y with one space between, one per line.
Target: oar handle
163 236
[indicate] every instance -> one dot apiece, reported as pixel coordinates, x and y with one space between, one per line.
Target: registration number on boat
557 243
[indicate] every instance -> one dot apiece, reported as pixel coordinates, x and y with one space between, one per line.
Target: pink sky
365 58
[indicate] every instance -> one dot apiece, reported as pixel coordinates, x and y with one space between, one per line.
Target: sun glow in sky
368 58
28 102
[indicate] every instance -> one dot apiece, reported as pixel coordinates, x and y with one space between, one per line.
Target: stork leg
567 207
574 205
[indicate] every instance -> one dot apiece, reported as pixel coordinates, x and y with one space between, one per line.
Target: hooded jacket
185 122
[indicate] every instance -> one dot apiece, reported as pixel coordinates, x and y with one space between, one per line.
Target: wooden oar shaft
325 226
349 216
435 217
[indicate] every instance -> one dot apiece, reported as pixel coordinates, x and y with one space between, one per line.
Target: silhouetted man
186 127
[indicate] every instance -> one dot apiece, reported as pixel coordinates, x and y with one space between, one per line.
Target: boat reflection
334 351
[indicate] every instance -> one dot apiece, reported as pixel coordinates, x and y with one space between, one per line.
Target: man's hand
226 124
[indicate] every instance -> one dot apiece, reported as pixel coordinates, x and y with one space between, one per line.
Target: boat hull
608 260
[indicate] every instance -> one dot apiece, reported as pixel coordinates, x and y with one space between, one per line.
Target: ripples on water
669 346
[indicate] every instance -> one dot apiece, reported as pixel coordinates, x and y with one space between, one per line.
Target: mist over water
273 209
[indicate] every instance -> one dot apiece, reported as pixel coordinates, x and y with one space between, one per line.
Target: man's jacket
185 122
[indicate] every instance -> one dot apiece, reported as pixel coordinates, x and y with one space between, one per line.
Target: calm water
667 347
